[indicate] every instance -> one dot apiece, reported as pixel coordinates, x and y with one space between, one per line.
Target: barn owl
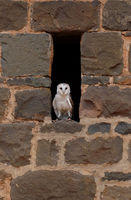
62 102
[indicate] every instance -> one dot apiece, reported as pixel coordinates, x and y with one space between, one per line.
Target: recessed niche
66 68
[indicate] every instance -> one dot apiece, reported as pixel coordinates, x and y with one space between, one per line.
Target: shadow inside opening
66 68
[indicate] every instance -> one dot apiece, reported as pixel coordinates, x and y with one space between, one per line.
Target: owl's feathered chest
63 103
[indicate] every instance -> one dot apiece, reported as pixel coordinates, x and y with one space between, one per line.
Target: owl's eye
60 88
66 88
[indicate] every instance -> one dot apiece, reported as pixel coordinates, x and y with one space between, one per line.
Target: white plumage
62 102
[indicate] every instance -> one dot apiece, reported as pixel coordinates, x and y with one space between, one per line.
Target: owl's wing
72 105
70 102
55 106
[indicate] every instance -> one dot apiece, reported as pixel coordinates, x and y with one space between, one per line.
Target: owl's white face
63 89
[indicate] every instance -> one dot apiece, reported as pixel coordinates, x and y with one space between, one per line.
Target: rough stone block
47 153
4 175
122 80
26 54
101 53
65 16
4 98
2 80
64 185
89 80
119 176
62 127
123 128
31 81
13 15
32 104
15 143
117 193
106 101
97 151
130 59
127 34
129 151
102 127
117 15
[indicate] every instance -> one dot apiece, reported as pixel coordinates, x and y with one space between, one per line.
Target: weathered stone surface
106 101
130 59
31 81
26 54
129 152
47 152
127 34
91 80
65 16
123 128
117 193
102 127
4 175
13 15
33 104
2 80
122 80
97 151
117 15
15 143
62 126
101 53
120 176
4 98
64 185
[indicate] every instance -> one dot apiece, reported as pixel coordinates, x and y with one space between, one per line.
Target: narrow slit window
66 68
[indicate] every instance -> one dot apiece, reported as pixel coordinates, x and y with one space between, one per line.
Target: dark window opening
66 68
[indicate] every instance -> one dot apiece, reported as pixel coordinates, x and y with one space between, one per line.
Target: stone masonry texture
4 175
45 159
30 81
122 80
4 98
101 54
102 127
65 185
25 54
117 15
47 153
123 128
62 127
89 80
106 101
129 151
117 176
127 33
33 104
97 151
15 143
13 15
117 193
62 16
130 59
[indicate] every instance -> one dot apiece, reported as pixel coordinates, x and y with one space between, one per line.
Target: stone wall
90 160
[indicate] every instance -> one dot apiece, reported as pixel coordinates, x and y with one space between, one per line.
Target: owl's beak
63 92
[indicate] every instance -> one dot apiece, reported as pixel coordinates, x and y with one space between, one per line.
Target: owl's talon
54 120
69 119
